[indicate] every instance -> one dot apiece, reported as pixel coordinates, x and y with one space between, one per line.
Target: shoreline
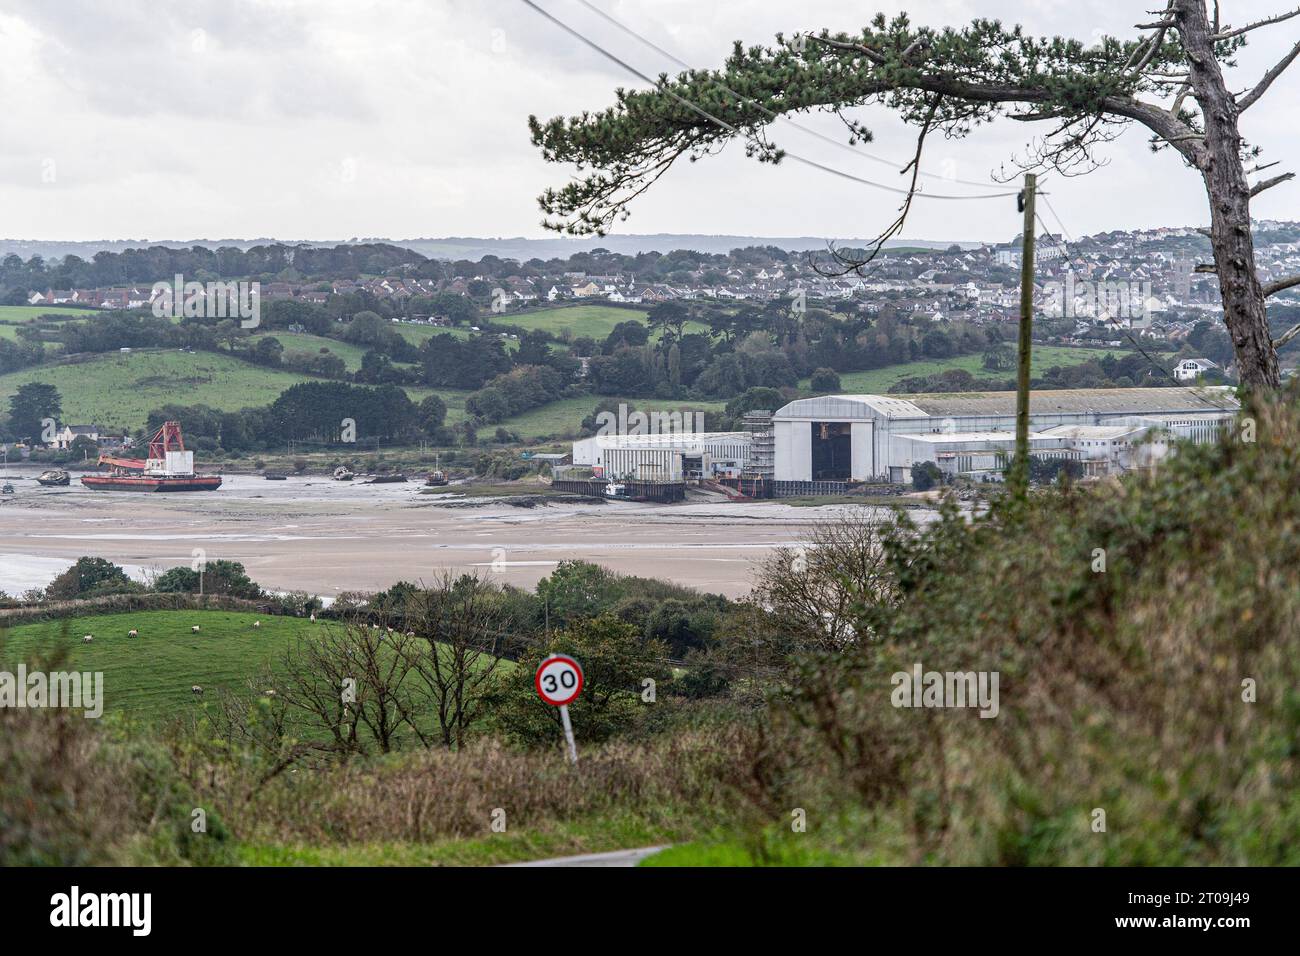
326 537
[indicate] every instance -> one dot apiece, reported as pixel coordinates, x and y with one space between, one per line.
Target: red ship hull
143 483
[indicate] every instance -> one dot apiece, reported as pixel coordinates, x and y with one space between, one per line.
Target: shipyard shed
670 456
832 440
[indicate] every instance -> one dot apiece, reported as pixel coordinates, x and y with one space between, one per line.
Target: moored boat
169 467
55 477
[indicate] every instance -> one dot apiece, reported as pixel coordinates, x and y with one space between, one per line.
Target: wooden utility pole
1019 476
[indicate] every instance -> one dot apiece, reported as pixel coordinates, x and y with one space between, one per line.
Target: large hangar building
825 442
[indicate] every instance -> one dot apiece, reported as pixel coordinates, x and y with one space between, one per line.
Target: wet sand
324 537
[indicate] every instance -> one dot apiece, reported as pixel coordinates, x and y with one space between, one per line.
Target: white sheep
196 690
133 633
87 639
194 629
257 624
270 692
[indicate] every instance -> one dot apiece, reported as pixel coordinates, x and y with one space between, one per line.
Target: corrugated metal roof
1139 401
942 438
830 407
1101 432
672 440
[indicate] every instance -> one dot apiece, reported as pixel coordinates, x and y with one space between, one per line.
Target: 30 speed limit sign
558 680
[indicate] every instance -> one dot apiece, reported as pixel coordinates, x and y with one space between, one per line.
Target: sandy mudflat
325 537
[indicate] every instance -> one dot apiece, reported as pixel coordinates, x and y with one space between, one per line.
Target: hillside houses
1143 282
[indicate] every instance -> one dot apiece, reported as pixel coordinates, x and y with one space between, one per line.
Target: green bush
1147 637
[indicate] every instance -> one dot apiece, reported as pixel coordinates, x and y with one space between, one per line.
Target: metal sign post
559 682
568 735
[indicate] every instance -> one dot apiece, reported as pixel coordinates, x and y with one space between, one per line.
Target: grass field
14 316
879 380
594 321
567 414
418 334
306 342
25 313
119 390
149 677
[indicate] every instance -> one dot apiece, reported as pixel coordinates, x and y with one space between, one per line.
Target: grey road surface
617 858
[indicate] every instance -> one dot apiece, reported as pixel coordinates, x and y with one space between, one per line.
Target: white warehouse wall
586 452
861 437
793 450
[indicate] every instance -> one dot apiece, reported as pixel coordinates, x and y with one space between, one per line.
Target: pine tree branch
1286 337
1281 285
1246 102
1229 34
1259 187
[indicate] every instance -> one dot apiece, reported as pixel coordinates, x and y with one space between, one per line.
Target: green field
150 676
878 381
25 313
118 391
565 415
306 342
14 316
419 334
593 321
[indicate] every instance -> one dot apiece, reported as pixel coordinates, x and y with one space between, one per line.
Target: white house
65 436
1188 370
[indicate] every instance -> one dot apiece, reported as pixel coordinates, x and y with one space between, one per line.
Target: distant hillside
470 247
474 248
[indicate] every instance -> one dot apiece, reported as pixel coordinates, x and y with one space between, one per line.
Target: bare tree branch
1246 102
866 51
1229 34
1286 336
1259 187
1154 47
1281 285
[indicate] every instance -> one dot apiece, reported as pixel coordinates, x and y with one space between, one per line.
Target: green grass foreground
149 677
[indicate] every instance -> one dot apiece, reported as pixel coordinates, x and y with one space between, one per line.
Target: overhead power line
839 144
735 131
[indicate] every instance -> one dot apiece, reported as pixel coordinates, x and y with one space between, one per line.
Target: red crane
169 467
168 438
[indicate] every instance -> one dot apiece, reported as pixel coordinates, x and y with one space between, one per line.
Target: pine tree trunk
1244 310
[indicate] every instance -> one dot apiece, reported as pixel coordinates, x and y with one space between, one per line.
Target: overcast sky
332 119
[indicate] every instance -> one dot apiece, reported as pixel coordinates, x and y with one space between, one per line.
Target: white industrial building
844 438
672 456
